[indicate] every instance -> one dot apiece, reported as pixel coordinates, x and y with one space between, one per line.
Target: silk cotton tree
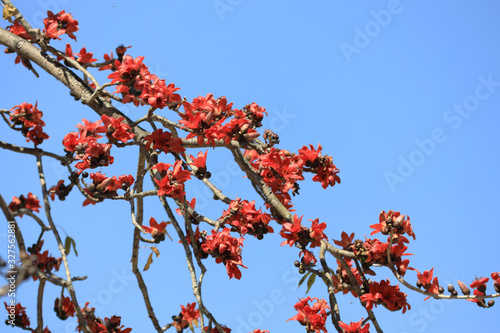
174 137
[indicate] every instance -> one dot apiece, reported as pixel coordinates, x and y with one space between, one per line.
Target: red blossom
84 57
164 141
313 161
295 233
30 202
386 294
59 24
156 230
106 187
200 162
393 221
115 129
312 317
19 318
187 315
244 218
28 119
172 182
225 249
43 261
64 308
346 241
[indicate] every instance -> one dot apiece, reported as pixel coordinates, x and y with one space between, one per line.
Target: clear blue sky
403 94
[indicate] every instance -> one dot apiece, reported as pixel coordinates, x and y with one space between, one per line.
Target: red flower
107 58
43 261
64 308
28 119
200 162
355 327
425 279
322 166
59 24
346 241
188 315
113 325
172 182
91 129
384 293
164 141
156 230
312 317
17 315
225 249
393 221
115 129
244 218
31 202
84 57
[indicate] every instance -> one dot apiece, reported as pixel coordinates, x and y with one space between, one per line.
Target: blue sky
403 94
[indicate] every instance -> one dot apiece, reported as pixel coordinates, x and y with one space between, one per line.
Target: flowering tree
174 137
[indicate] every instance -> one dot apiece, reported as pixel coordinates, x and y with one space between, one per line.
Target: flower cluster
64 308
105 187
91 153
30 202
164 141
43 261
374 252
312 317
98 325
172 181
313 161
280 170
188 315
139 86
205 118
59 24
28 119
385 294
244 218
393 221
300 236
225 249
17 315
84 142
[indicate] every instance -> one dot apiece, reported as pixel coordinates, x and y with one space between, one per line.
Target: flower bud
451 289
491 303
464 288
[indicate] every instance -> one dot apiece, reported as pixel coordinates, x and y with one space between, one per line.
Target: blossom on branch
59 24
312 317
225 249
